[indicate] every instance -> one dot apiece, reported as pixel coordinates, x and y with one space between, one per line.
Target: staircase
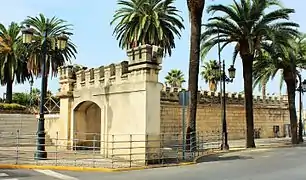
19 128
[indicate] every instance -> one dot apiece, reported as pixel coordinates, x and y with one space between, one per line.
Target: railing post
194 145
75 148
177 147
198 143
94 150
147 150
203 144
131 142
113 141
17 146
56 146
161 148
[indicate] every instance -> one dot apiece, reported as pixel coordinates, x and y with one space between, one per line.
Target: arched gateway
87 125
119 99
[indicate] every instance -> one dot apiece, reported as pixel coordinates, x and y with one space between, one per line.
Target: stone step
27 126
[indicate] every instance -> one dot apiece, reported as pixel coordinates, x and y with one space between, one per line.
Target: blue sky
97 46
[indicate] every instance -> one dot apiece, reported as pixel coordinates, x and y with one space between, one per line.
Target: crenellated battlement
143 65
111 74
204 97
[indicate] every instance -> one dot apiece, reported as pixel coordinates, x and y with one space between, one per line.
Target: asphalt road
269 164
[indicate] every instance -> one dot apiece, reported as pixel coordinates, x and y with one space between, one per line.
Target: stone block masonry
268 112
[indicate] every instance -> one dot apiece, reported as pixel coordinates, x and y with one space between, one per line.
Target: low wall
52 126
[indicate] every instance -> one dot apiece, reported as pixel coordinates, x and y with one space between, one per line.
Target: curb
153 167
90 169
59 168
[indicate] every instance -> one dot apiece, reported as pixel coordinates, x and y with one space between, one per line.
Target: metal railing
111 150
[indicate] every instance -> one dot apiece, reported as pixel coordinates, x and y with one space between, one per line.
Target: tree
55 57
260 76
12 61
195 8
154 22
247 24
287 60
175 78
21 98
209 76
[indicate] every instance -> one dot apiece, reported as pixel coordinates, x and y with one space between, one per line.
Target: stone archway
87 126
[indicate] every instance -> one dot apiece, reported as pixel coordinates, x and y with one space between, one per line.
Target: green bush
22 98
13 106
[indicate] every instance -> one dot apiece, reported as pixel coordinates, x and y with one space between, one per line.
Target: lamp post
27 38
31 89
224 79
301 89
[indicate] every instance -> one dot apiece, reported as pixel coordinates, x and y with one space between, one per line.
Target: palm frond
175 78
147 22
53 27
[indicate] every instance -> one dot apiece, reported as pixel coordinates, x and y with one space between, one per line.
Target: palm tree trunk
213 86
290 78
9 91
247 61
195 12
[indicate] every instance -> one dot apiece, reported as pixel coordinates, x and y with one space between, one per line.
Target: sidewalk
237 144
261 142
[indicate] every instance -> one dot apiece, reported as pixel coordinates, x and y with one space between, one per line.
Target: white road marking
3 175
55 174
6 175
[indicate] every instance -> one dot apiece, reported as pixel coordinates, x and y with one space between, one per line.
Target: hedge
12 107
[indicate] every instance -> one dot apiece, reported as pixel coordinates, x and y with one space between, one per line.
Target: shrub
12 107
21 98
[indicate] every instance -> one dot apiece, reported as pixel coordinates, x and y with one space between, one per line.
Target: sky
97 46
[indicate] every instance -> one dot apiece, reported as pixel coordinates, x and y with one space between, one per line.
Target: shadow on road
212 158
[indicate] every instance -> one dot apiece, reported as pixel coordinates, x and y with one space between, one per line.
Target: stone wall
268 112
209 120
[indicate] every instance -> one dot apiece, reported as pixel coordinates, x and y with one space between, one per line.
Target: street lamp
27 34
232 72
62 41
301 89
31 89
224 79
27 38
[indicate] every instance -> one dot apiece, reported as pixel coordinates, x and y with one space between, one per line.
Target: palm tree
209 76
55 57
287 60
175 78
261 79
12 62
247 24
195 8
154 22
